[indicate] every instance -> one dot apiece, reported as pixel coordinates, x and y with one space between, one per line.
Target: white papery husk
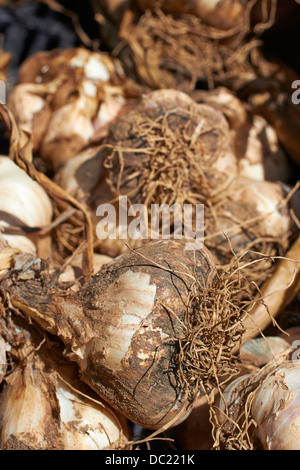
255 142
3 360
65 98
40 411
24 199
265 404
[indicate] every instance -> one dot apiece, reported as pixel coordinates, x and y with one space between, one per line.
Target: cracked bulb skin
123 328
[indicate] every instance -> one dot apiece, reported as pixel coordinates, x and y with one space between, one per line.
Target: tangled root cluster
168 51
212 331
169 150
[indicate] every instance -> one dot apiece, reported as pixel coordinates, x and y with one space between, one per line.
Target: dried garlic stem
276 293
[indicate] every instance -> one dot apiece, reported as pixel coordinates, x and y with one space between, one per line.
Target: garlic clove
69 130
24 104
276 409
265 404
23 197
264 158
84 426
71 96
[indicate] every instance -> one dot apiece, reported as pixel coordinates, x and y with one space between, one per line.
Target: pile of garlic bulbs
65 98
107 342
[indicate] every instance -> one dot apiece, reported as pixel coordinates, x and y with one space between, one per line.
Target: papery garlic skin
250 210
86 426
275 404
3 360
25 413
276 409
39 411
25 199
70 96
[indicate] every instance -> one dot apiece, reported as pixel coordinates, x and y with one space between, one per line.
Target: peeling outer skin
274 404
276 409
71 96
208 126
222 14
40 411
3 362
262 202
122 328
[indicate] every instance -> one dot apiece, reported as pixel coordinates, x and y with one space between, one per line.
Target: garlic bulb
218 13
166 150
126 326
39 411
3 361
274 406
253 215
197 431
81 176
70 96
169 147
254 141
23 202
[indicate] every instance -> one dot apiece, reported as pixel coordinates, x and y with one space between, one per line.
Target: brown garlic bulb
252 215
255 142
169 148
125 328
166 150
67 98
40 411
